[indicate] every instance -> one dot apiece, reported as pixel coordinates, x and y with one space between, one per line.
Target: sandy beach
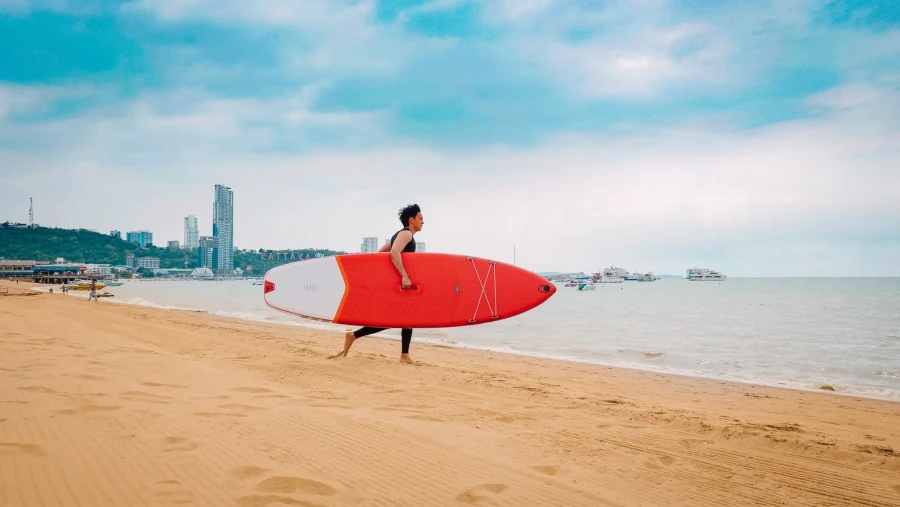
104 404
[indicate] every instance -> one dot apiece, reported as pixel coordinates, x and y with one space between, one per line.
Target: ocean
800 333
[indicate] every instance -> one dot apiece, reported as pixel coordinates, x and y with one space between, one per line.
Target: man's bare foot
349 338
404 358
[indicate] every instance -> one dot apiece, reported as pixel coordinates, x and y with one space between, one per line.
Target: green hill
88 247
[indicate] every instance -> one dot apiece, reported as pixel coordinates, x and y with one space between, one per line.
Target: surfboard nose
268 287
547 288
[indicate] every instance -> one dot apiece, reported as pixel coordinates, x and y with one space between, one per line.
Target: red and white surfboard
364 290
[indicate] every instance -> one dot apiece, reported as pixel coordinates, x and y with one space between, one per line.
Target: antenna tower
30 212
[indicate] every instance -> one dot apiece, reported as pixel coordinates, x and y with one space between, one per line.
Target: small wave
889 374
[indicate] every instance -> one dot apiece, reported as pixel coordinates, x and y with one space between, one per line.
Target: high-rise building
173 245
223 228
368 245
208 253
420 246
191 232
142 238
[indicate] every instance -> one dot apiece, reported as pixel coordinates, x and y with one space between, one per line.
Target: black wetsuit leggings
405 335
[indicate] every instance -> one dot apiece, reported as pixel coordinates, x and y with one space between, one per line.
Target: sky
758 138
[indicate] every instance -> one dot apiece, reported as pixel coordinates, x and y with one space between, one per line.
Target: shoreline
839 389
188 407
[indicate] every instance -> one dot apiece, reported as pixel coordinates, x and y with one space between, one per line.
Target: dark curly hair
410 211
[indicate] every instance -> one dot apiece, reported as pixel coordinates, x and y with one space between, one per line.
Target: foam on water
796 333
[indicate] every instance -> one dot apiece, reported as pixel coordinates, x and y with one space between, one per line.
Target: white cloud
658 199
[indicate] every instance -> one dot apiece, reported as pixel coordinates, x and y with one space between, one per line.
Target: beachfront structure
191 232
223 229
16 269
142 238
369 245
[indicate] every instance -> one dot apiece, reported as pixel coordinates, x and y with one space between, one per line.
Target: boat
83 285
704 275
587 286
611 279
646 277
114 284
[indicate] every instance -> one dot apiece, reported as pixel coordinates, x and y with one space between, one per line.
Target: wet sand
109 404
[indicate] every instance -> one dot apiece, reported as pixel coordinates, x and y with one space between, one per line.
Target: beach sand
104 404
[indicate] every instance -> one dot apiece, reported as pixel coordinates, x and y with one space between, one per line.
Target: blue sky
747 136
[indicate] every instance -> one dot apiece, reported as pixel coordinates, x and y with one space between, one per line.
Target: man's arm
399 244
386 247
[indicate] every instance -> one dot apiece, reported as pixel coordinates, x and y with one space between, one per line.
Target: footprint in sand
176 444
248 472
693 444
547 470
472 496
281 484
655 462
15 448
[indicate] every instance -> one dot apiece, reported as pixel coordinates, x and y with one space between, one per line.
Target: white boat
704 275
646 277
587 286
611 279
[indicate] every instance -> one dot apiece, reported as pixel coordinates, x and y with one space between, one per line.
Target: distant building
16 269
368 245
116 234
142 238
223 229
191 232
420 246
98 269
173 245
208 253
148 262
129 259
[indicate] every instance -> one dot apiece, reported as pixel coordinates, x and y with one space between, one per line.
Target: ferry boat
611 278
704 275
646 277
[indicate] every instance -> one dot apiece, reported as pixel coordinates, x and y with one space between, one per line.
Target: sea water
791 332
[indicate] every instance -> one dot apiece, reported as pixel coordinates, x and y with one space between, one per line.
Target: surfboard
448 290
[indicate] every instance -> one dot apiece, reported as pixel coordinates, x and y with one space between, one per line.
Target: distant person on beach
93 290
401 241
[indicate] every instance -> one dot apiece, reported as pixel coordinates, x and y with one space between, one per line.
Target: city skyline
758 139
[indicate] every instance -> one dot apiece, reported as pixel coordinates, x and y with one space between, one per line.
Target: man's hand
405 283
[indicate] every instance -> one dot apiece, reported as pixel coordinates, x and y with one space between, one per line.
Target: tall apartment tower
420 246
369 245
223 228
191 232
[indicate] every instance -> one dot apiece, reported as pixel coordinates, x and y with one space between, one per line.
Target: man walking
401 241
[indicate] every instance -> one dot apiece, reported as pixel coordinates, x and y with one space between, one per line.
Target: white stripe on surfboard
311 288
